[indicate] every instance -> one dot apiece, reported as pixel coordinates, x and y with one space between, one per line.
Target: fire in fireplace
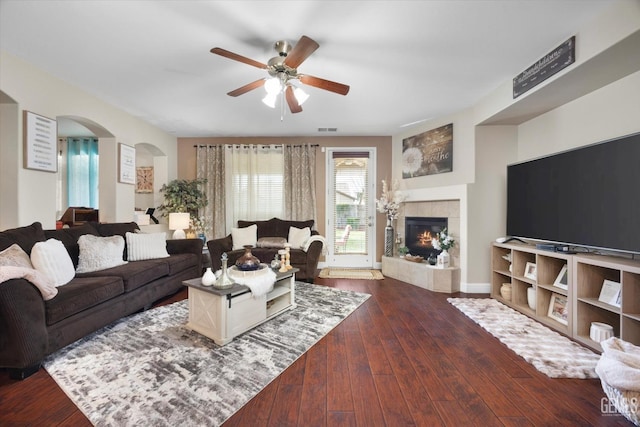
418 232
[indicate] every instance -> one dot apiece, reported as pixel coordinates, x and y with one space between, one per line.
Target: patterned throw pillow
15 256
99 253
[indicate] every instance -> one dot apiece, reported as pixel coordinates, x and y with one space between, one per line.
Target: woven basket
627 402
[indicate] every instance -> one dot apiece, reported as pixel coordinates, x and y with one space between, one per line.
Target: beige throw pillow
242 237
52 259
15 256
99 253
298 237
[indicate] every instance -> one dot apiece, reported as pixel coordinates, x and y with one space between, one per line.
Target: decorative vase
443 259
531 298
247 262
208 278
505 291
202 237
432 260
224 281
388 239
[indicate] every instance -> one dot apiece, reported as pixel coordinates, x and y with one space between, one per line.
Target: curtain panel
300 182
210 166
82 172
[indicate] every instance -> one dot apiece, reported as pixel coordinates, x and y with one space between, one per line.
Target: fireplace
418 232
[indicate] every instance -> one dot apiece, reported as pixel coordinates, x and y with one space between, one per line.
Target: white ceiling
405 61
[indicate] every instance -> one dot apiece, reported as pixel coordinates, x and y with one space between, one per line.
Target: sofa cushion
181 262
141 246
135 273
244 236
80 294
15 256
52 259
25 237
99 253
69 238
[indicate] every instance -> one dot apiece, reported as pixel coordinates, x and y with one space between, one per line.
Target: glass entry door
351 207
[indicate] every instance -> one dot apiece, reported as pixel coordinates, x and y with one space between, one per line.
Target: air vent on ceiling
327 129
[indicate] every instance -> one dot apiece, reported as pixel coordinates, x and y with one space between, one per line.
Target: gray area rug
549 352
149 369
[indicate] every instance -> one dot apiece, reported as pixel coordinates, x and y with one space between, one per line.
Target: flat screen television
588 197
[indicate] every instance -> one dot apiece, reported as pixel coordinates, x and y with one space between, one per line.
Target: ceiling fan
283 69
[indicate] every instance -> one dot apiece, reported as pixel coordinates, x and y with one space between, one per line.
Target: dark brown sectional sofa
31 328
307 261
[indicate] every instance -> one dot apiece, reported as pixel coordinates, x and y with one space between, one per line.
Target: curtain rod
254 145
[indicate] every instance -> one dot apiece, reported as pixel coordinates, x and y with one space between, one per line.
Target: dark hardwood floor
405 357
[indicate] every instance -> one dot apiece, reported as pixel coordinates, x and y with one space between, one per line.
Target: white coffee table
222 314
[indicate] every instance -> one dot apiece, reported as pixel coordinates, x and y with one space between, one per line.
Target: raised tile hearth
421 274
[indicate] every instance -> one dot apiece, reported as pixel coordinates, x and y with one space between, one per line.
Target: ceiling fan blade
292 101
236 57
246 88
324 84
301 51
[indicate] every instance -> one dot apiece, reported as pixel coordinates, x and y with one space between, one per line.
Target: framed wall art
428 153
126 164
40 142
144 179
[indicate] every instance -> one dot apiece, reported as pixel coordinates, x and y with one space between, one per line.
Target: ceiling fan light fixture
270 99
301 95
273 86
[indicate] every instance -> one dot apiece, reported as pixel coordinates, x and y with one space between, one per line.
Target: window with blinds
351 202
256 177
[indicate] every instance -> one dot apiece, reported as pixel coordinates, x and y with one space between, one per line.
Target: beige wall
41 93
382 144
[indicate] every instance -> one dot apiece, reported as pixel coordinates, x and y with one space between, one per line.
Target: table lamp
179 222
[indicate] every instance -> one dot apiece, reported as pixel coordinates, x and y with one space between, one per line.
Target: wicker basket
627 402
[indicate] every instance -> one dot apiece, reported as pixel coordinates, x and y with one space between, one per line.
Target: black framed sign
556 60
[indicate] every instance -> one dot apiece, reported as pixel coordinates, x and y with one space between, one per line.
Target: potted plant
183 195
403 251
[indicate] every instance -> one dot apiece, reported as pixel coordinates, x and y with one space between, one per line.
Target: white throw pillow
15 256
141 246
242 237
99 253
52 259
298 237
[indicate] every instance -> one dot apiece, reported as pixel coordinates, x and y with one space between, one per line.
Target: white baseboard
475 288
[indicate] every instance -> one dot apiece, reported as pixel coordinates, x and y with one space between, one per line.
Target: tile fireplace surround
439 280
441 208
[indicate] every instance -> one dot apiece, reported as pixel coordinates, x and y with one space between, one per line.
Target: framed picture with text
126 164
40 142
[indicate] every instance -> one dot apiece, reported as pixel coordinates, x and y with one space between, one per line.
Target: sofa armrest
23 326
216 248
313 256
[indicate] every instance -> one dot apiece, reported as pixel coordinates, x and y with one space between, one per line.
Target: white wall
46 95
606 113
